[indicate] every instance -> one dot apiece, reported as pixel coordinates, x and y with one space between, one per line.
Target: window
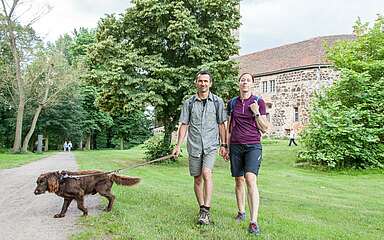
296 116
272 86
265 86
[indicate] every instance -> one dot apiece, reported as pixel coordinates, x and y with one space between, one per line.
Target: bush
346 121
346 134
155 148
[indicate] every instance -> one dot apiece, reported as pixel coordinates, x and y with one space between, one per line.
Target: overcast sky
265 23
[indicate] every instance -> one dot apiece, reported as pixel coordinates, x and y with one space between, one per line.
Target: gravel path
26 216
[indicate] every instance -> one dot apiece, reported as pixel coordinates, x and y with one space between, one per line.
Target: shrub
155 148
346 121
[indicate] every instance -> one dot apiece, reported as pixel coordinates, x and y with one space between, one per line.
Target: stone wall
293 91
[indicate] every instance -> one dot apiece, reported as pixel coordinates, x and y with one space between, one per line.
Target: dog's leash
65 175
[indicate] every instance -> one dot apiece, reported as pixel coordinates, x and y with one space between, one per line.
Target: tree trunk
94 138
109 137
169 126
31 129
46 142
20 86
121 143
88 143
36 116
19 126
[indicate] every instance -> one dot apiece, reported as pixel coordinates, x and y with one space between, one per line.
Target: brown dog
75 188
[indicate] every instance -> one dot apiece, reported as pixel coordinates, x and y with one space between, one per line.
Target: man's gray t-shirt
203 130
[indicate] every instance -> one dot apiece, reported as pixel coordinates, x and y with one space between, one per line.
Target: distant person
65 146
69 146
292 137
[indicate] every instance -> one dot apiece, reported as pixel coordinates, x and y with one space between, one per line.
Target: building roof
291 56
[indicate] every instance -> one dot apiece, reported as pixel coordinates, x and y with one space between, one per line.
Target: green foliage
11 160
155 148
133 129
152 53
346 126
299 204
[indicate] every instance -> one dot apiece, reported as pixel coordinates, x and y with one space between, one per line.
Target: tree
152 54
21 40
346 121
131 130
51 75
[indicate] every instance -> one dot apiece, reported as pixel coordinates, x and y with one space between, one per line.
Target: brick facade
288 76
288 103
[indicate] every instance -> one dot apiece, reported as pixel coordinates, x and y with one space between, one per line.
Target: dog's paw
107 209
59 215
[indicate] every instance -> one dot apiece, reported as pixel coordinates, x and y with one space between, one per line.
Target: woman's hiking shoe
253 229
240 217
204 217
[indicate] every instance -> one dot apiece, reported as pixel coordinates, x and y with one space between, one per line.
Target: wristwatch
256 114
224 145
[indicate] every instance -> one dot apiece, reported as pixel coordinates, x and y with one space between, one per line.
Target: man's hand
226 157
255 108
176 151
223 152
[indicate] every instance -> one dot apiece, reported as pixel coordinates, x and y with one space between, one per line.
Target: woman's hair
245 74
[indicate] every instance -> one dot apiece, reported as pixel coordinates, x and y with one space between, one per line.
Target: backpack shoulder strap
190 106
256 98
232 104
216 102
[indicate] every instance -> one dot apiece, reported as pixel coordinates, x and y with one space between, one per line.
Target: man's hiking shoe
204 217
254 229
240 217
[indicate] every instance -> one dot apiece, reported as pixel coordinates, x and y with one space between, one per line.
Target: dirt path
26 216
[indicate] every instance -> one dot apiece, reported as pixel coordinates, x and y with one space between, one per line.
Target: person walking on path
69 146
247 119
204 117
292 137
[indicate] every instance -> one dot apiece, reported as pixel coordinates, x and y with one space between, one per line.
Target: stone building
287 77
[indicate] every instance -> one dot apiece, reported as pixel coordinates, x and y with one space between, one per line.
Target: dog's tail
123 180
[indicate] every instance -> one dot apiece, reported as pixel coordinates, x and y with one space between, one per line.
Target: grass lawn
11 160
295 203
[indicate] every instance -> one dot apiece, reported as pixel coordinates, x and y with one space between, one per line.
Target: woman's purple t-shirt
243 125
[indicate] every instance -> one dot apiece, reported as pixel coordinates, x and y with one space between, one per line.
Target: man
204 117
247 119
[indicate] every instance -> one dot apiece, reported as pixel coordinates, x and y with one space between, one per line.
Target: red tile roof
291 56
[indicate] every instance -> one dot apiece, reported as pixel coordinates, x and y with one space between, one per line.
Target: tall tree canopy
346 121
152 53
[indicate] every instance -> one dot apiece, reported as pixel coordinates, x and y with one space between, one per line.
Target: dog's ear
53 183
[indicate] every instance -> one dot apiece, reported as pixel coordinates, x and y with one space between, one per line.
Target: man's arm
223 139
180 138
223 133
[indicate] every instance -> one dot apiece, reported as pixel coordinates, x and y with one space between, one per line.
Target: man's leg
198 188
208 186
208 161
